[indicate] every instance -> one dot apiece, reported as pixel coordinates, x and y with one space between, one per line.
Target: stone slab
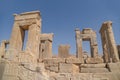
74 60
94 70
94 60
101 65
54 60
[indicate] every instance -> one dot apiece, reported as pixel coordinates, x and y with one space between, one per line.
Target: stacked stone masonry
37 62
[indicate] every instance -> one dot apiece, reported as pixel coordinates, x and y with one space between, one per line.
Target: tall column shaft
33 40
112 44
16 42
79 53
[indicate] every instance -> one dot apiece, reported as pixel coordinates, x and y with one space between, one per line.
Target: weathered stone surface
10 71
86 35
118 47
108 43
74 60
107 76
63 78
114 67
52 64
36 62
54 60
101 65
2 67
68 68
3 48
63 51
45 46
26 57
94 70
94 60
53 68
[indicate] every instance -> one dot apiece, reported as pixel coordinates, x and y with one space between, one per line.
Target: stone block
53 68
82 76
106 76
74 60
94 60
53 60
101 65
68 68
26 57
63 51
94 70
114 67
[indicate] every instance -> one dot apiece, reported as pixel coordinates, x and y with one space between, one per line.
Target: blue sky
61 17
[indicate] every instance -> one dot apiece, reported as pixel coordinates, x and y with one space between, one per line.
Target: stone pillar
33 39
94 45
63 51
45 46
108 42
16 42
78 45
105 46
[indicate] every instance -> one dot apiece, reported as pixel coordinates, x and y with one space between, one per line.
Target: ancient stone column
94 45
105 46
78 44
108 43
63 51
16 41
33 39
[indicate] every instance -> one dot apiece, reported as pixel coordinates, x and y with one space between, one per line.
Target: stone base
94 60
101 65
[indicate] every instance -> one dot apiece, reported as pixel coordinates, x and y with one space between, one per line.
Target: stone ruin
36 61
